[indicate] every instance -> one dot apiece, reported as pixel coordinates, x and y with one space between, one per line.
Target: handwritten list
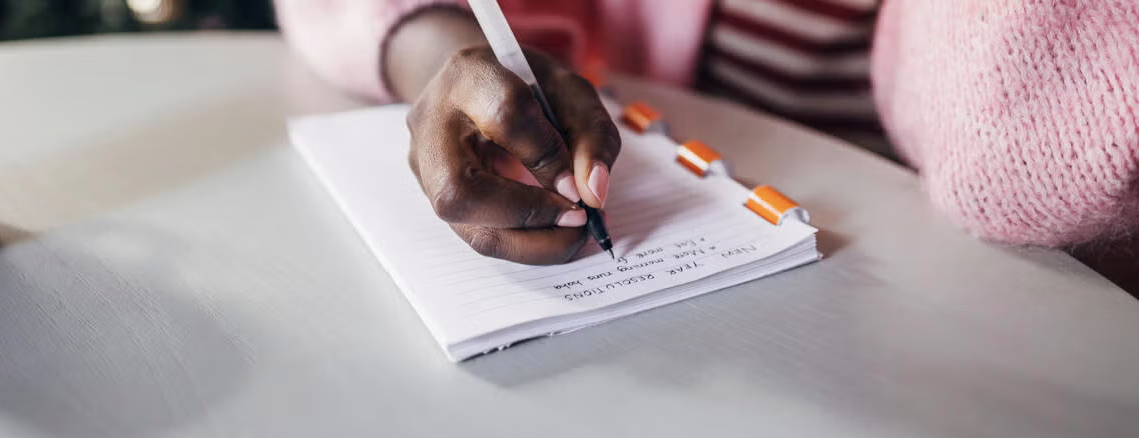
670 229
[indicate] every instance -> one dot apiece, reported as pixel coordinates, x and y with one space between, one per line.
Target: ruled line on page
456 269
549 272
519 282
656 208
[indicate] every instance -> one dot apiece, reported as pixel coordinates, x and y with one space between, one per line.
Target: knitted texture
1021 115
342 39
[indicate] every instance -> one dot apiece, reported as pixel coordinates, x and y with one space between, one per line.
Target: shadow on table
705 321
99 339
162 151
794 337
732 325
10 235
828 241
1117 260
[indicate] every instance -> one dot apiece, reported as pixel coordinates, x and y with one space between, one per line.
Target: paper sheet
669 228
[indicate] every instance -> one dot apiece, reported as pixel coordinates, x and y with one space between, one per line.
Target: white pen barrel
501 39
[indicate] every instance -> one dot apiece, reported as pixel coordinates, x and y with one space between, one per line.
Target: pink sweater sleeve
342 39
1020 115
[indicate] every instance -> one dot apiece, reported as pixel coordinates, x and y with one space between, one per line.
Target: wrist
421 44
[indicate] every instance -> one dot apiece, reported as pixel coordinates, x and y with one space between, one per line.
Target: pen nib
611 254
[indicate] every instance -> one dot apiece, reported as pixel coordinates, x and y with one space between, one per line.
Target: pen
509 54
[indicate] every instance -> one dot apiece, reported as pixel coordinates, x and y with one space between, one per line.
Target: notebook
676 236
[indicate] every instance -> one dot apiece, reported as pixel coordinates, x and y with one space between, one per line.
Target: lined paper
669 228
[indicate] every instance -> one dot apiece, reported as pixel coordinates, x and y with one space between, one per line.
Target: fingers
475 196
462 190
533 247
495 168
590 134
503 108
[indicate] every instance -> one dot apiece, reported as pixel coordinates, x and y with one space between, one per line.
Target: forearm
419 46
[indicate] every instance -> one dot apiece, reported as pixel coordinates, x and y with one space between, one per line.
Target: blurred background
24 19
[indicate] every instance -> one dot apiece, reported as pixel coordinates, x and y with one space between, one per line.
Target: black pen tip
611 254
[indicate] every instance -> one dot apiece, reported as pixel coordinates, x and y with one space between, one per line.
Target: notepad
676 236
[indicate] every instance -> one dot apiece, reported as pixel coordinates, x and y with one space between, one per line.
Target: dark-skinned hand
492 165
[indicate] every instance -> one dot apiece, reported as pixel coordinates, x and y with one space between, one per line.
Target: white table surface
173 270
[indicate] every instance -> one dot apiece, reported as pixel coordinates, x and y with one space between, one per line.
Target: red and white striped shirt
807 60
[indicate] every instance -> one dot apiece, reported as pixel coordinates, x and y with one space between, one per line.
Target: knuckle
485 241
448 204
468 55
504 117
513 99
571 250
529 217
452 202
517 94
603 125
466 66
608 137
518 119
413 162
576 81
471 61
598 136
415 116
510 116
547 158
427 115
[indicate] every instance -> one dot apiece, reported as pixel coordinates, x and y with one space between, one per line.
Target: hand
496 170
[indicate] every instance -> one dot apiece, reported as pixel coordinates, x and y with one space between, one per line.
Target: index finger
590 134
505 110
462 190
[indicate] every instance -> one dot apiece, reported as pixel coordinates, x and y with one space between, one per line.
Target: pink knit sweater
1020 115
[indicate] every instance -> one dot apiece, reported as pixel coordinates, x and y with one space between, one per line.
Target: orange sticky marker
595 74
641 117
697 157
774 206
